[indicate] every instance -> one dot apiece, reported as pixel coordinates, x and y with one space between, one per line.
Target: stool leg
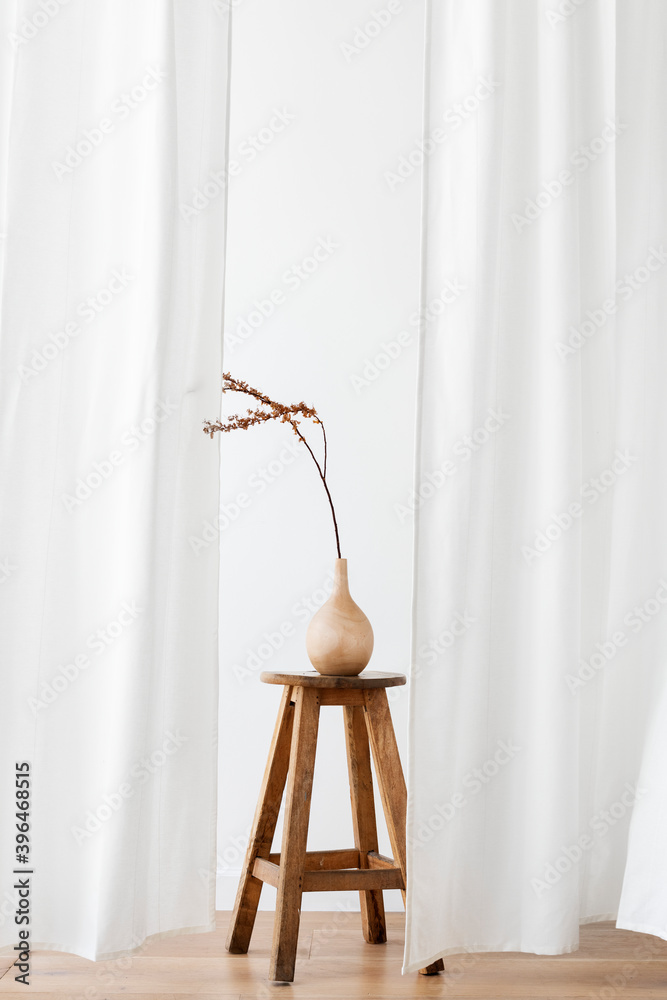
392 783
363 817
263 828
295 835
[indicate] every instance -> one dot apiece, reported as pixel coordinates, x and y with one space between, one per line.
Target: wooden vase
339 640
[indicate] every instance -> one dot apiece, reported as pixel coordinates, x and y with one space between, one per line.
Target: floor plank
211 945
597 941
482 977
335 962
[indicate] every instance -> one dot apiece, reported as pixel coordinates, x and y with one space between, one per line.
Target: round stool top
311 678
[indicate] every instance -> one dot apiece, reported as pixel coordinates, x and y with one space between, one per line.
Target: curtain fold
541 551
114 126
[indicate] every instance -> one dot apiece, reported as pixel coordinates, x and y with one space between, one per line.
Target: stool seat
367 680
294 870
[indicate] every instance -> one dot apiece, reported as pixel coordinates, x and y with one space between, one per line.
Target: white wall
346 118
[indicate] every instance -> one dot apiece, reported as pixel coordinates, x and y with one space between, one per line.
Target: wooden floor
334 961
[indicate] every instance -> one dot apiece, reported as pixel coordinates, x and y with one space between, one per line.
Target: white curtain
113 197
537 750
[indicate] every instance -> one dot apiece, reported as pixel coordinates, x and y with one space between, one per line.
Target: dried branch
274 411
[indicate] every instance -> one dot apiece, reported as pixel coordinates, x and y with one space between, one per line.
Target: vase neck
340 584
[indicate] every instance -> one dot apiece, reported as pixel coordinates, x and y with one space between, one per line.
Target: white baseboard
228 880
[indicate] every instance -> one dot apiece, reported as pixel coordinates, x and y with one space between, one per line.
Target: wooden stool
292 760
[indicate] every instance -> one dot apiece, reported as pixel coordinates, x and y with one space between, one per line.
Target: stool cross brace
295 870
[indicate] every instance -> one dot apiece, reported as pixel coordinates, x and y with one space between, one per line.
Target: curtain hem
416 965
624 925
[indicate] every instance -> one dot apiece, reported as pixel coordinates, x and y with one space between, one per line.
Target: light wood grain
389 772
339 640
294 871
324 861
263 828
367 881
354 978
310 678
341 696
363 818
267 872
343 965
330 880
393 790
213 945
375 860
295 835
336 946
